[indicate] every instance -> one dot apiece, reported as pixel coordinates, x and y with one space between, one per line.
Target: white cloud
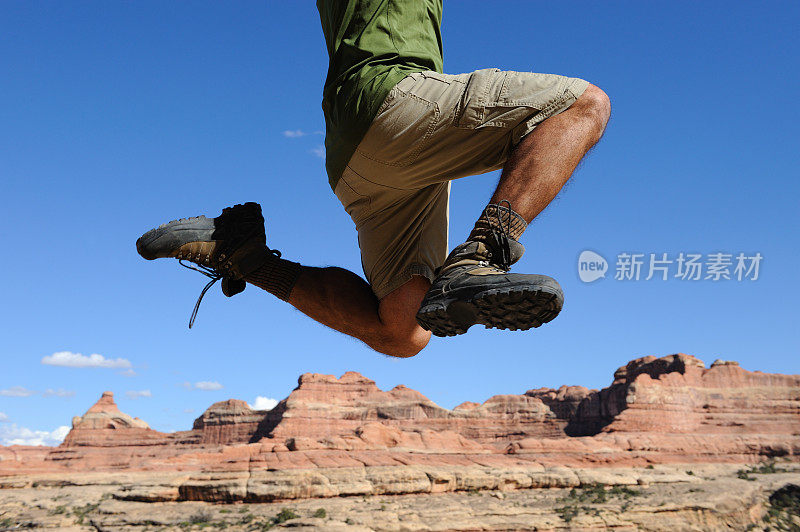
208 385
21 391
76 360
263 403
136 394
16 391
3 417
296 133
319 151
188 410
128 373
14 435
58 393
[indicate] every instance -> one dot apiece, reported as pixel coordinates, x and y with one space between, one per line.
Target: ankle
270 272
498 218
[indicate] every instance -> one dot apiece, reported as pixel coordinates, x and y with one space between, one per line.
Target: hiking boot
474 286
225 248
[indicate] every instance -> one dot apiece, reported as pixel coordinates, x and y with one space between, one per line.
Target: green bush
81 511
320 513
285 515
568 513
625 491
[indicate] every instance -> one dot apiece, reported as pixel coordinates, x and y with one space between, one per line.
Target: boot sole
190 229
515 309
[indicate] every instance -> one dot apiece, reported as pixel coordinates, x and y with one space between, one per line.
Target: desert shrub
784 508
568 513
763 468
624 491
320 513
60 509
201 516
285 515
81 511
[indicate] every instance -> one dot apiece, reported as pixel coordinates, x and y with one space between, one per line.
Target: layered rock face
323 406
231 421
676 394
333 436
104 425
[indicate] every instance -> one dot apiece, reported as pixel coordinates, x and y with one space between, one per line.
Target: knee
404 344
596 102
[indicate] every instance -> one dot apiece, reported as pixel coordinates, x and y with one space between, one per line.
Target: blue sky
118 116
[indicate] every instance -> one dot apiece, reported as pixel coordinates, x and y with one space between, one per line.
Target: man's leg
542 163
474 284
343 301
232 247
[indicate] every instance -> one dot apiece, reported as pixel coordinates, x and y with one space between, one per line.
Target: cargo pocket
531 98
400 130
482 90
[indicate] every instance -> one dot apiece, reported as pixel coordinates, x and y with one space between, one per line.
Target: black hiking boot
474 286
225 248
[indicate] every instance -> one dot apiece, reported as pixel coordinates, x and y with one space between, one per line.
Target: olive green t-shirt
372 45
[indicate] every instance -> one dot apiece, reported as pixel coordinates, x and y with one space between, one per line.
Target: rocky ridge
344 436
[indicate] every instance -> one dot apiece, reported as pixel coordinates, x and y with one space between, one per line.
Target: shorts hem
402 278
574 89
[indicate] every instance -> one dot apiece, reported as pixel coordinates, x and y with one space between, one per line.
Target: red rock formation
677 394
668 409
322 406
226 422
103 425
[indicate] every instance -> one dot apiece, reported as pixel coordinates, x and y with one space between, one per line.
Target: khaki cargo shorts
433 128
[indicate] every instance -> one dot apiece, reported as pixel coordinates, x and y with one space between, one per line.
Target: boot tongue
503 251
477 251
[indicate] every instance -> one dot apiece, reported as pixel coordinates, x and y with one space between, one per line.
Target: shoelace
501 238
215 276
211 273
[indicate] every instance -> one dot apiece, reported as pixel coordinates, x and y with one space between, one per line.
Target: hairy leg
542 163
343 301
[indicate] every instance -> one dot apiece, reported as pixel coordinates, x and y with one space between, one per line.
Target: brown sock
498 218
276 275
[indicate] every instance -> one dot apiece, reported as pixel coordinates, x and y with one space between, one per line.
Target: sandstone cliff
336 436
